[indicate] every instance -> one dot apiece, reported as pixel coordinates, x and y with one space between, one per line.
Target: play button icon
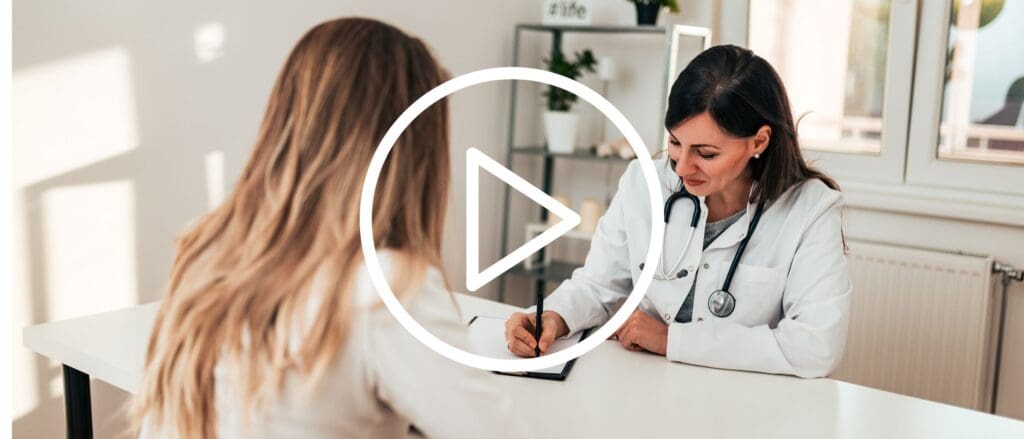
368 240
476 160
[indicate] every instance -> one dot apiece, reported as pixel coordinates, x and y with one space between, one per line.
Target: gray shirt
711 231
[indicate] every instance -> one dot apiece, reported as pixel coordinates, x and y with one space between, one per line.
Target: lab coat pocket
758 292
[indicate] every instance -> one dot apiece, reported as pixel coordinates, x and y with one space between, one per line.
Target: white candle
590 212
606 68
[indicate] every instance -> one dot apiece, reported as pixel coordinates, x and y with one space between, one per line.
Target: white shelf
534 229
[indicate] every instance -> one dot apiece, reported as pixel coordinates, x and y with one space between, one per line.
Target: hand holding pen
520 332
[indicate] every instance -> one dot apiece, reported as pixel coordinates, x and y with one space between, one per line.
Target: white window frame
888 165
907 176
923 165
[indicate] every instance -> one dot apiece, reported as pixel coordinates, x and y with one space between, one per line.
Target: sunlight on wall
89 244
208 41
23 390
214 178
72 112
67 114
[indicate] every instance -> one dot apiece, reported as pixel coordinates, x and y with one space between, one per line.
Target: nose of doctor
684 165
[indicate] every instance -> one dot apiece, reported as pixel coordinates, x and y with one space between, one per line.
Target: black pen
537 326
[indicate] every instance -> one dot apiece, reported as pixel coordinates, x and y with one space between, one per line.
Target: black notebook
487 338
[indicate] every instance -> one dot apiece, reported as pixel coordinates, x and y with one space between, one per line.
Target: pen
537 326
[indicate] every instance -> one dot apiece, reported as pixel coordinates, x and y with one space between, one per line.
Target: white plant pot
560 130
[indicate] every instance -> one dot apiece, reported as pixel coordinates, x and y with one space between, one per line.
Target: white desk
611 392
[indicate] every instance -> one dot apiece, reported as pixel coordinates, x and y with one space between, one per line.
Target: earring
757 155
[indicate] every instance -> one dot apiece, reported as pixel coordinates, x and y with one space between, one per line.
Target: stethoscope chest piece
721 303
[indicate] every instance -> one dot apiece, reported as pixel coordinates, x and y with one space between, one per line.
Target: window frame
924 167
910 178
886 166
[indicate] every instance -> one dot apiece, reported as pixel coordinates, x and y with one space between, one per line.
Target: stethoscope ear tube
742 247
683 194
721 303
663 275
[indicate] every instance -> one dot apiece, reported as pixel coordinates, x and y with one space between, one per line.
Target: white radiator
922 323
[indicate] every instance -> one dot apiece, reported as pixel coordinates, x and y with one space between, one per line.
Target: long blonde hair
242 277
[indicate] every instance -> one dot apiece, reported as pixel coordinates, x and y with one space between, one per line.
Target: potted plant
647 10
559 124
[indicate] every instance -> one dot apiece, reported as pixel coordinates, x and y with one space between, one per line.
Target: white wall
130 118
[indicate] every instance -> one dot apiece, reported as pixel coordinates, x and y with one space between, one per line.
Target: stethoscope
721 303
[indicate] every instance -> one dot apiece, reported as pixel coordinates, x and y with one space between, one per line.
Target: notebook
487 338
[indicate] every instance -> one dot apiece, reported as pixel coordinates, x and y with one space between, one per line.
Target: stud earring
757 156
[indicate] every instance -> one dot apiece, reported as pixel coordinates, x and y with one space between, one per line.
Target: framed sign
573 12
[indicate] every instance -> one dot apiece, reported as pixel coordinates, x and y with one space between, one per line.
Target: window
832 57
920 94
983 86
965 127
848 70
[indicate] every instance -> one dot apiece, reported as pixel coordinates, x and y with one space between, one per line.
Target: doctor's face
708 159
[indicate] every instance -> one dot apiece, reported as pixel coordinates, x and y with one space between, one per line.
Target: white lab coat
792 286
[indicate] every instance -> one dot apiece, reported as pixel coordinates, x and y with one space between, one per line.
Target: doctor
752 274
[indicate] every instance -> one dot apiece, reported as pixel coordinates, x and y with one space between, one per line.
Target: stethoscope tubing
743 247
665 275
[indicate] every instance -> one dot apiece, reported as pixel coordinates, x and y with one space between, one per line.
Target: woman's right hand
519 332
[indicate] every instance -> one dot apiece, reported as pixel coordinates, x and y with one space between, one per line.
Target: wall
131 118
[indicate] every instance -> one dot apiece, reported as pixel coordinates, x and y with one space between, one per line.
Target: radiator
922 324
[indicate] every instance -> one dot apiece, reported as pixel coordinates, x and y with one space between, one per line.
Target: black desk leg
77 403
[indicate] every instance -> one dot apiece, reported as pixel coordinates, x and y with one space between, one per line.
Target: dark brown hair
742 93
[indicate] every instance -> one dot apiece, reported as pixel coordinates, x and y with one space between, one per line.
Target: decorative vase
560 131
590 214
647 12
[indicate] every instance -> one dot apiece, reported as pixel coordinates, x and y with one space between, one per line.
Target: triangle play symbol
475 159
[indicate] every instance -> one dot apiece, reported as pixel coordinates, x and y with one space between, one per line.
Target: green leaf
673 5
562 100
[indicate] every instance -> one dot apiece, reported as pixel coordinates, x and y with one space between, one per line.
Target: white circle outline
377 164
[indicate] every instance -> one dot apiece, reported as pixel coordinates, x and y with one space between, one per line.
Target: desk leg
77 404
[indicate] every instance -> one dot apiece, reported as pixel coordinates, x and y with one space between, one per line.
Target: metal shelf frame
671 35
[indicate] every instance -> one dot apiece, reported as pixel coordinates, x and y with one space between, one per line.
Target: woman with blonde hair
270 326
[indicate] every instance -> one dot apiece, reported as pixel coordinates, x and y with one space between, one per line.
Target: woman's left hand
643 332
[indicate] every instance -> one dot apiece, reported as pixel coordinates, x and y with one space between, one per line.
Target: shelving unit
557 271
575 155
541 259
533 229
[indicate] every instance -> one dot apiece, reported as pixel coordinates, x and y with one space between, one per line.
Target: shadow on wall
116 151
116 197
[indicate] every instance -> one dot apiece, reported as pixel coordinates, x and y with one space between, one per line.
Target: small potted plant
647 10
559 124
